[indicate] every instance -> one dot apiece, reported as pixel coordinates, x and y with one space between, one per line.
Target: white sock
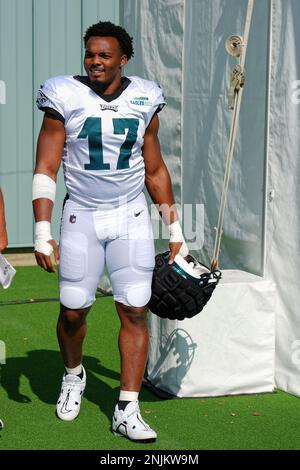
75 370
128 396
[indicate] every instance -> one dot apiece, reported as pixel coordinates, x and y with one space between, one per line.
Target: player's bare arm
3 233
158 181
48 159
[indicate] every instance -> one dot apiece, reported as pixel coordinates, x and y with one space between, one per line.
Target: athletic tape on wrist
176 236
42 236
43 187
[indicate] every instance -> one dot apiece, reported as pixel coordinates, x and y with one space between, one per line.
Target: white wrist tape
43 186
176 235
42 236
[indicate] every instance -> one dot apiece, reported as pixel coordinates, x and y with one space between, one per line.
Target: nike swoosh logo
65 412
64 408
136 214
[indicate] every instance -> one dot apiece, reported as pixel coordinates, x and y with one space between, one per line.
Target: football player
103 127
3 233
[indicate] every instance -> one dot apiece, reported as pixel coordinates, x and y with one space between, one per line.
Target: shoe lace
71 386
126 416
68 388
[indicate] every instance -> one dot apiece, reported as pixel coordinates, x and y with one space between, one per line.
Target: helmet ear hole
182 289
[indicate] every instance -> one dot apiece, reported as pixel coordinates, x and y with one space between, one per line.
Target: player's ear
123 60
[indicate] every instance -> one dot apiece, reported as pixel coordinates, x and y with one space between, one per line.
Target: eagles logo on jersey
104 140
42 100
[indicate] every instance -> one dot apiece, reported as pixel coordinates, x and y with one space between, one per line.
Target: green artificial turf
30 382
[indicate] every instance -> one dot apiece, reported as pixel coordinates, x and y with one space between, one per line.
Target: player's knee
138 296
74 297
134 317
71 319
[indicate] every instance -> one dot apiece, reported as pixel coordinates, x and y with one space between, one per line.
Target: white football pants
120 237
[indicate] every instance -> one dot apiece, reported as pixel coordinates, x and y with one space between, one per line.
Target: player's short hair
106 28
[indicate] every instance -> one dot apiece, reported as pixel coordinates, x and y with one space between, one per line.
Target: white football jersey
102 160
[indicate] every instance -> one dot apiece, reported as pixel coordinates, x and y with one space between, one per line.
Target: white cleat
130 424
68 404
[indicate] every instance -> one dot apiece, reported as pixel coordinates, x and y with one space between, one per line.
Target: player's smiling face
103 61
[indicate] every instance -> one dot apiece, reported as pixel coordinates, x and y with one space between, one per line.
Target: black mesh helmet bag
181 290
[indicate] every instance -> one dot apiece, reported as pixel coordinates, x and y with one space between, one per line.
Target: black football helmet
181 290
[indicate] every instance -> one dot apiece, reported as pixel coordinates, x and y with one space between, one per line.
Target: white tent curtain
283 216
180 44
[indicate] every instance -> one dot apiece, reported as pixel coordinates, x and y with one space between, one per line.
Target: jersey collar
108 98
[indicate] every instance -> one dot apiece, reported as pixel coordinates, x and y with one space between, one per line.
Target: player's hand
45 261
174 250
177 243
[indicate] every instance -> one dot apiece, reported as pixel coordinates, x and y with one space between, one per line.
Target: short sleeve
158 101
48 99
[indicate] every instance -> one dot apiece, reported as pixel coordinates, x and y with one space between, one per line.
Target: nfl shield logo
72 219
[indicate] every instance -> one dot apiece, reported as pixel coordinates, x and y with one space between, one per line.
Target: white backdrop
283 216
180 44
